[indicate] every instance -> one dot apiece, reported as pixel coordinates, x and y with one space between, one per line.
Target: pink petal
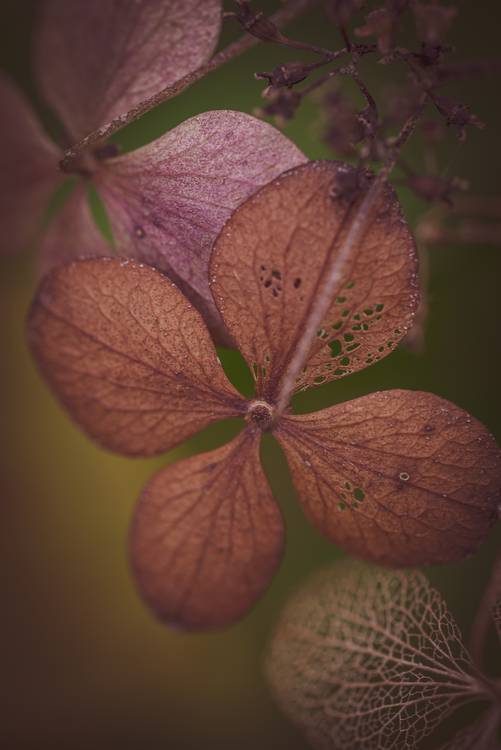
169 200
96 59
28 169
72 234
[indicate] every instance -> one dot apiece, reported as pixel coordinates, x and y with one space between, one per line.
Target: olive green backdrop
84 663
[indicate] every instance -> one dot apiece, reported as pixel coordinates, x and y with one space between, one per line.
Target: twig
335 273
361 49
280 18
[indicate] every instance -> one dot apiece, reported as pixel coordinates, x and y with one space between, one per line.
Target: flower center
260 414
86 163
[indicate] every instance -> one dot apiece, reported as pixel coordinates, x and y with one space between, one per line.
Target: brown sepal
396 477
207 536
128 356
285 237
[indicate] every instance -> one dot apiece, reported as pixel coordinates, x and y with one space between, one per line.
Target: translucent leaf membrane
168 200
96 60
28 170
285 238
207 537
72 234
128 356
368 658
397 477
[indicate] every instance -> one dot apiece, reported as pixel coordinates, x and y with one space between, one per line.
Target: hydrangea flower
367 657
166 201
397 477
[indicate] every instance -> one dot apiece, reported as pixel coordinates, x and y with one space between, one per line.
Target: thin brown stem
321 81
335 272
280 19
360 49
483 618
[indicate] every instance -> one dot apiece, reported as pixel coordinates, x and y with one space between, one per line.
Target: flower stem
280 19
336 270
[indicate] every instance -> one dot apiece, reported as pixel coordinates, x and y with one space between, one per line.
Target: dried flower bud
432 21
257 24
435 188
350 184
431 55
287 74
457 115
282 104
383 24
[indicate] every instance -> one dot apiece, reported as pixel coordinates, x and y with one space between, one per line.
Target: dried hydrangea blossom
370 658
98 59
401 477
166 201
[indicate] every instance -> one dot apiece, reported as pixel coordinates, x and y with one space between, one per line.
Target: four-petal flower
398 477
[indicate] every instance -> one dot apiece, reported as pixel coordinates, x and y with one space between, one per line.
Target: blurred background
84 664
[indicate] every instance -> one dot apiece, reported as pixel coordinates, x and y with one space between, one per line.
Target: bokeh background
83 663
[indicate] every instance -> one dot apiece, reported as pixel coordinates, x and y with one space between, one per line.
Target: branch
281 18
335 273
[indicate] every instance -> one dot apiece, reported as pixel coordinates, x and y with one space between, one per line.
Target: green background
85 664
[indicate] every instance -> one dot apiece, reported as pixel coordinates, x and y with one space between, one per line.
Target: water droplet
139 232
403 476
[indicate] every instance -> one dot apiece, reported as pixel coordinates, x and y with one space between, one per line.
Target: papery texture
368 658
128 356
207 536
28 169
168 200
72 233
398 477
285 238
98 59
